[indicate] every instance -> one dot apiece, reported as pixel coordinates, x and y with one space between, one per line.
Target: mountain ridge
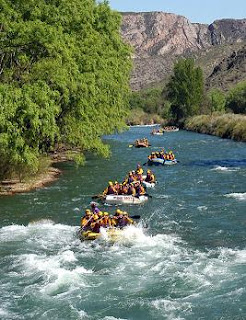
160 38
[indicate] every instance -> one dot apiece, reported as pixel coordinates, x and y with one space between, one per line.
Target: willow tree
64 76
185 89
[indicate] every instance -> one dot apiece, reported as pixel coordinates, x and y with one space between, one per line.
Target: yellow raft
111 234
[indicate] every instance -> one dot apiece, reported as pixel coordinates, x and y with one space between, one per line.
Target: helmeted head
116 182
106 214
110 183
88 212
100 214
118 212
93 204
148 171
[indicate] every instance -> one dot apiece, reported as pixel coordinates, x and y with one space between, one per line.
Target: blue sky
205 11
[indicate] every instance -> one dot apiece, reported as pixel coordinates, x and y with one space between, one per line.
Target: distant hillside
159 39
229 71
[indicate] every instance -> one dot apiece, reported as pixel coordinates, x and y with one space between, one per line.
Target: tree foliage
236 98
185 89
150 100
64 74
216 100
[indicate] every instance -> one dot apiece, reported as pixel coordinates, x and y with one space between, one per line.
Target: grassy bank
231 126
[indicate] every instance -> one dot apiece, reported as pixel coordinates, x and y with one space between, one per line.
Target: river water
185 260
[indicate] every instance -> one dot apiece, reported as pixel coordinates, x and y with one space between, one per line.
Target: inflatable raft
125 199
111 234
158 161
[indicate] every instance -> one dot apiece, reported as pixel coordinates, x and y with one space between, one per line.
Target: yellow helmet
88 211
148 171
118 211
95 217
106 213
100 214
116 182
110 183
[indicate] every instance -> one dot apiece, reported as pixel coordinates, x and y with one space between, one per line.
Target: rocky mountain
230 70
159 39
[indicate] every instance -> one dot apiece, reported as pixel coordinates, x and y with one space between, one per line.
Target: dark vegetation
64 76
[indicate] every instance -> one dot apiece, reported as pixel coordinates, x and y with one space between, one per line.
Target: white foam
225 169
202 208
238 196
65 267
112 318
172 307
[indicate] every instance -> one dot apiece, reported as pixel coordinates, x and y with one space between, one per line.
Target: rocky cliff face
159 38
230 68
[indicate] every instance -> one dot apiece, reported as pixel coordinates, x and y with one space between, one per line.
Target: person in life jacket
140 191
110 189
117 186
131 190
123 220
124 189
130 178
86 219
105 221
139 170
150 177
94 208
139 177
171 155
114 219
95 224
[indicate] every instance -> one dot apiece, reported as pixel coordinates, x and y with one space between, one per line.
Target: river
186 260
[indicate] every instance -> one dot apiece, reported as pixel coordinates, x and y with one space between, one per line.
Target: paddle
135 217
98 196
148 195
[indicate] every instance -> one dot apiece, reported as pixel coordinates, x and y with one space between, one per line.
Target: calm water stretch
186 260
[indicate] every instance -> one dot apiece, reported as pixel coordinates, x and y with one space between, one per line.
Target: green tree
236 98
216 100
185 89
64 78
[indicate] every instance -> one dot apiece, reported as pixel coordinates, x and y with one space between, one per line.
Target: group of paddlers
162 155
142 143
157 131
94 219
132 184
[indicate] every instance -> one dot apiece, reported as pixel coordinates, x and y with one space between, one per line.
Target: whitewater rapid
49 264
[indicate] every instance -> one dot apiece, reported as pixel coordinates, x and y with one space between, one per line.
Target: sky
203 11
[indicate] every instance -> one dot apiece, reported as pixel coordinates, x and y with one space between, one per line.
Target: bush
226 126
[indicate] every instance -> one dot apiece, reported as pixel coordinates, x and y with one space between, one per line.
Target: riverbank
230 126
10 187
46 174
